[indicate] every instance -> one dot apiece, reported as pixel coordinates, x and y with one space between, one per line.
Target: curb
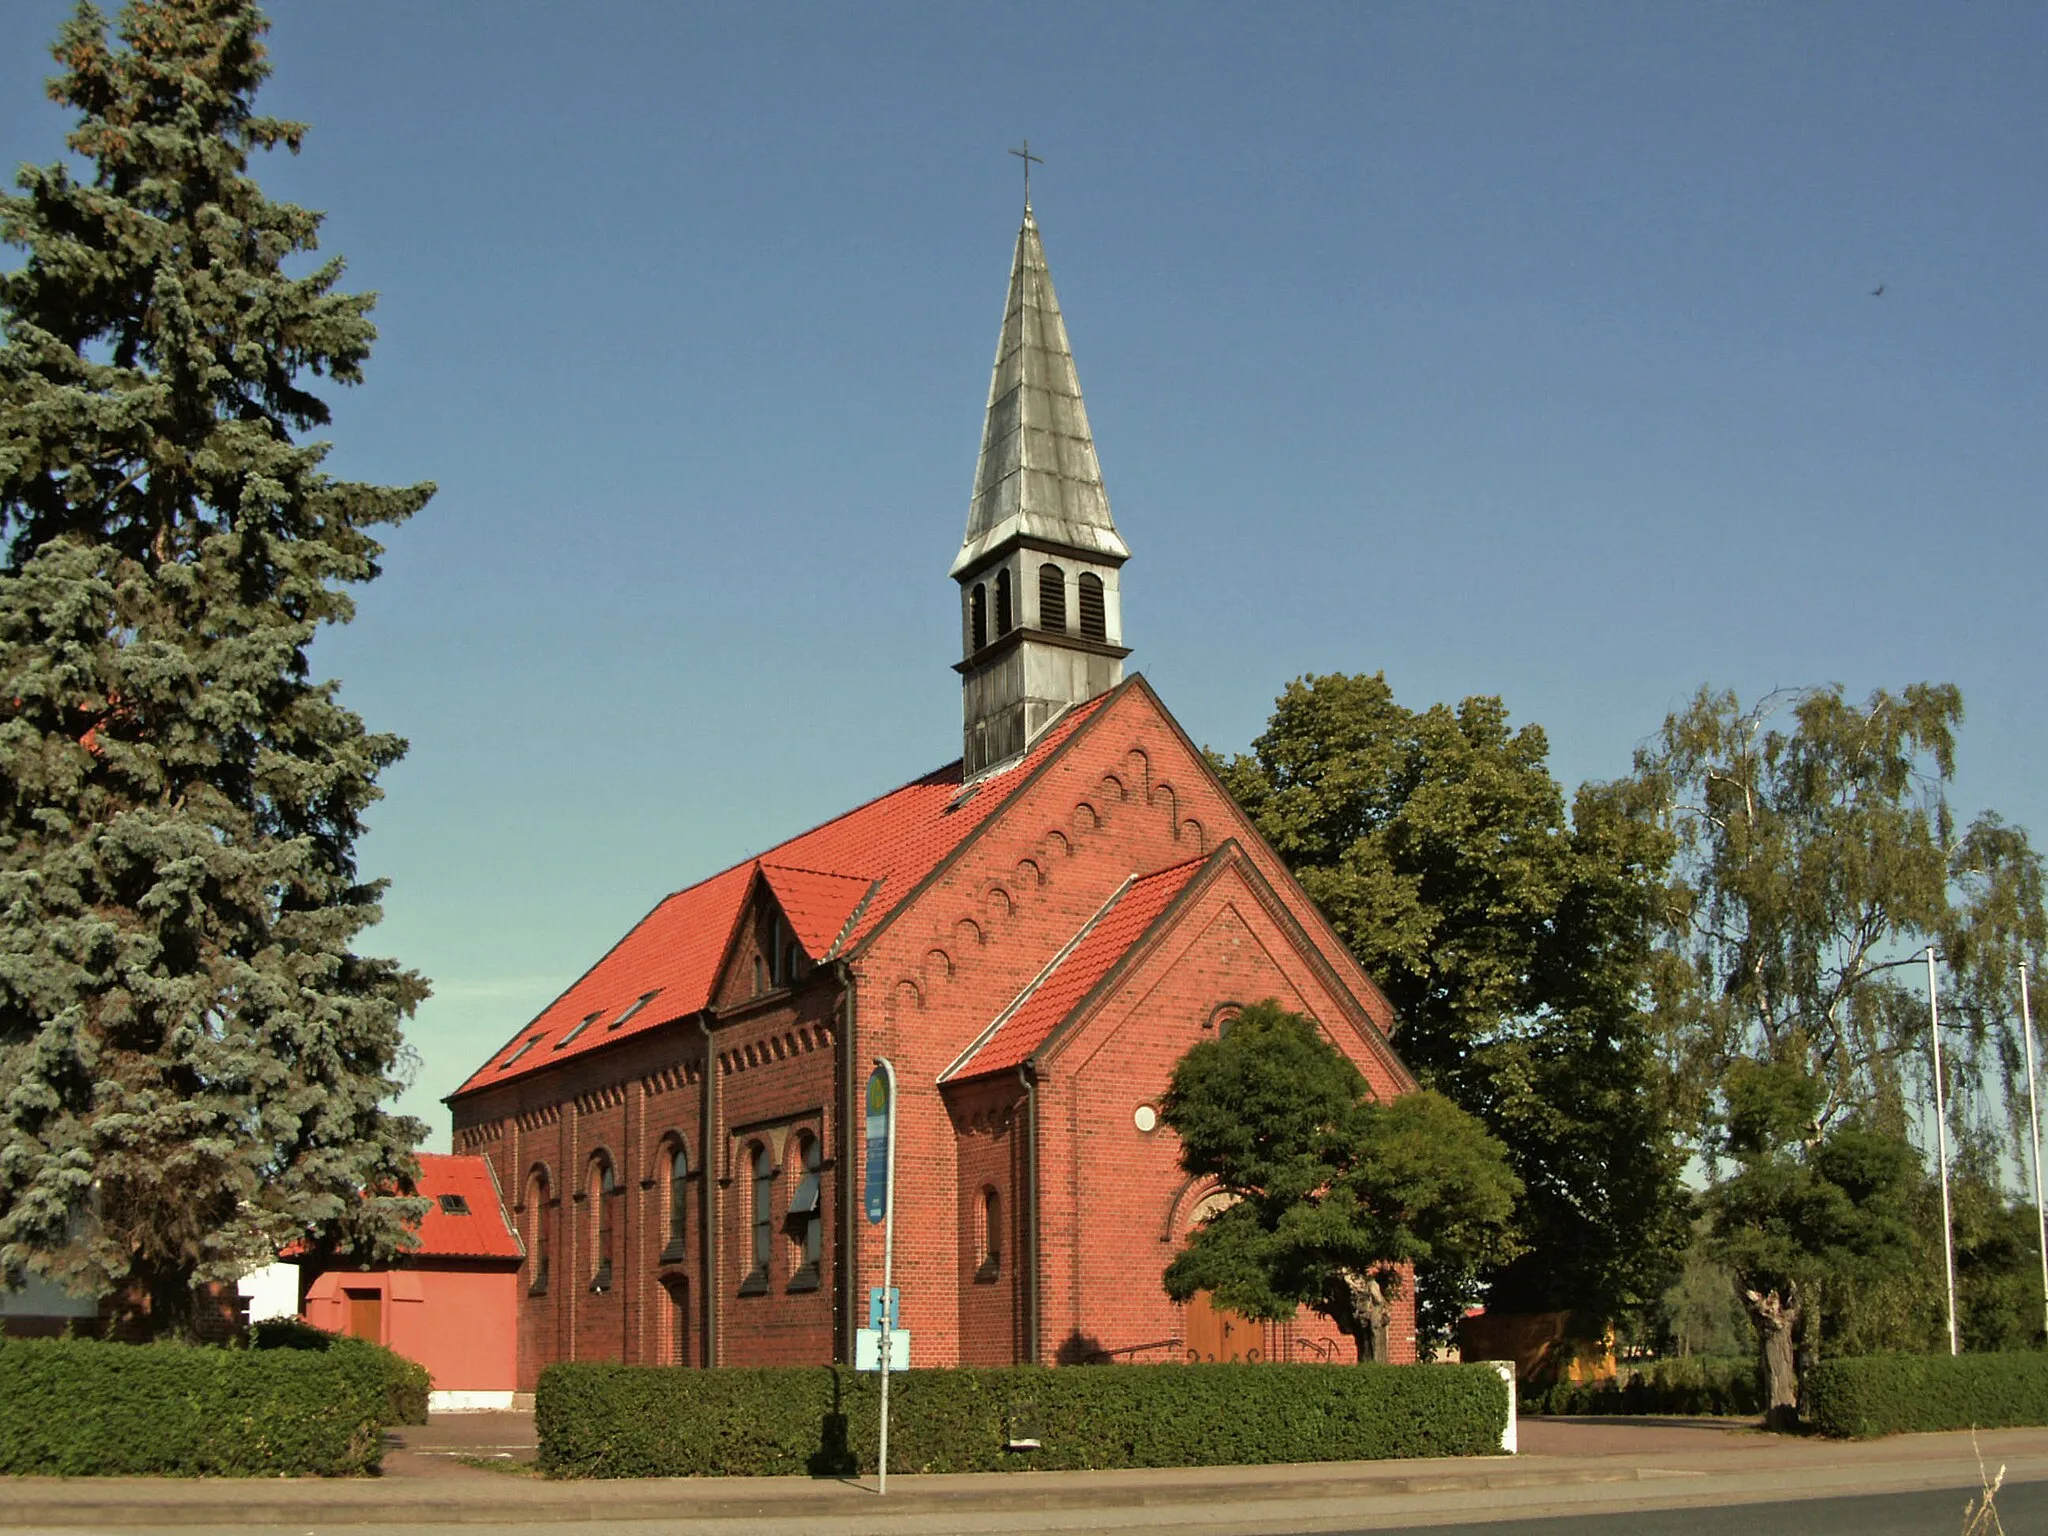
269 1503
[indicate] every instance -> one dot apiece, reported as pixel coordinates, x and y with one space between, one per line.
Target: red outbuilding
452 1304
1032 935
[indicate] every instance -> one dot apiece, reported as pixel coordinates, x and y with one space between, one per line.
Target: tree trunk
1777 1322
1367 1315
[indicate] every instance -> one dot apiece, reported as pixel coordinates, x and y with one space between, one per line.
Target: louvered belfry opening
977 617
1052 598
1003 607
1094 625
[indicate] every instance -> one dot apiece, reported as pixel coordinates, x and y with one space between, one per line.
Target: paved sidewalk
1579 1466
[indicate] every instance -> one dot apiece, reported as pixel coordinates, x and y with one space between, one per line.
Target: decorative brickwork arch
938 965
996 902
908 996
1056 844
968 931
1190 831
1029 872
1113 788
1085 818
1138 768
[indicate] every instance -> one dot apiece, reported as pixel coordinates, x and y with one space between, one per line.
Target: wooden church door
1217 1333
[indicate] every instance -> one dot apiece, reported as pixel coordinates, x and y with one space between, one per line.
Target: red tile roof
818 905
1052 998
889 845
478 1230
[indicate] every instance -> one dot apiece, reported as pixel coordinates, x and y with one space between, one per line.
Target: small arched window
1094 619
539 1221
763 1168
1004 610
678 1203
1052 598
604 1184
807 1214
988 1231
977 618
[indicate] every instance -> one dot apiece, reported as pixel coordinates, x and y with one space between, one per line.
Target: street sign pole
881 1129
2034 1137
1948 1242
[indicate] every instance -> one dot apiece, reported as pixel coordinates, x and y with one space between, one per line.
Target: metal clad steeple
1037 478
1041 604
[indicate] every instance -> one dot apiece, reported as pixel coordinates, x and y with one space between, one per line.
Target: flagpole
1948 1246
2034 1140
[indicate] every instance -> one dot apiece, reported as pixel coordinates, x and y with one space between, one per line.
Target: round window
1145 1117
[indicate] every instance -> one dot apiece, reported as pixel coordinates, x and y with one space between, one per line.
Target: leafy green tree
1817 852
1334 1192
1515 943
192 1058
1806 1212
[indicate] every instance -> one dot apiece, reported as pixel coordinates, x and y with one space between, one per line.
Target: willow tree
1818 859
193 1059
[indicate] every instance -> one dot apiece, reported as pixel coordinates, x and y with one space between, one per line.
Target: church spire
1038 477
1041 609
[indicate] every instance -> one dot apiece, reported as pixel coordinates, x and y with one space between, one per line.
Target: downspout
708 1189
848 1246
1027 1074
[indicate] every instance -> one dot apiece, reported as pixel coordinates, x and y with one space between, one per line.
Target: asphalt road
2022 1507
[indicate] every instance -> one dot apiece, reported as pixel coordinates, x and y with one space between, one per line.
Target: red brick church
1033 934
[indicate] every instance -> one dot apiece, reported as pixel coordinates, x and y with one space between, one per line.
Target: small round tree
1336 1194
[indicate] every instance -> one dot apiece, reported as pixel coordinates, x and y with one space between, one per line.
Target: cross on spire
1029 160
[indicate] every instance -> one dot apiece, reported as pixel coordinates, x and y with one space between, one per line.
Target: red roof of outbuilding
1088 957
478 1228
836 883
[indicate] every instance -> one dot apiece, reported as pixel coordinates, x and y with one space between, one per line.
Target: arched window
1003 608
806 1214
763 1167
678 1203
603 1185
988 1232
539 1220
977 618
1094 620
1052 598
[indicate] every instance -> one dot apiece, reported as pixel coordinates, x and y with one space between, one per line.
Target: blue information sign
877 1201
875 1307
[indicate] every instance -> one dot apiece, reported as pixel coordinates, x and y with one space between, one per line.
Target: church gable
790 921
1125 796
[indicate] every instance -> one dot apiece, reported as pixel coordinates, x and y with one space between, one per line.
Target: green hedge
1718 1384
1891 1394
650 1421
82 1408
401 1385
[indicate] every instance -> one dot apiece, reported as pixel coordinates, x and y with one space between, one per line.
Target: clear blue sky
1510 349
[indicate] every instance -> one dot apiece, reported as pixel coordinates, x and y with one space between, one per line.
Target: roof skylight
634 1007
585 1023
